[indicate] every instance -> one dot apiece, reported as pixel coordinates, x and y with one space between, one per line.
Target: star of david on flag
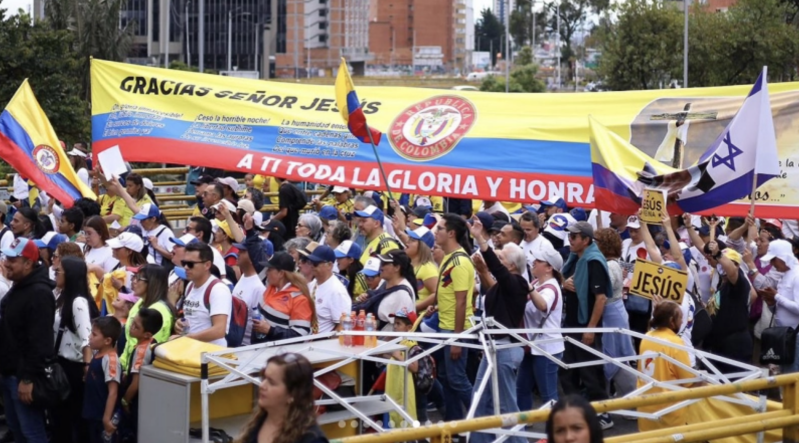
746 150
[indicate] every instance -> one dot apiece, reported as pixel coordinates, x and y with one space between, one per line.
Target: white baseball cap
633 222
231 182
781 249
547 253
126 240
372 267
148 184
77 152
339 189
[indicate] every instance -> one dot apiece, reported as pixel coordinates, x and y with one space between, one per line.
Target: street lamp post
166 38
507 46
201 36
685 47
188 41
230 36
557 12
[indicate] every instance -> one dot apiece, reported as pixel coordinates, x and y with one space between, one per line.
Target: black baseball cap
282 261
203 180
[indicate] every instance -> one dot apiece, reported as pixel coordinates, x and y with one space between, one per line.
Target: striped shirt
288 309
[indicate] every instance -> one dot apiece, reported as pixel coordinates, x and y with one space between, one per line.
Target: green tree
98 31
643 48
522 79
732 48
489 34
44 56
524 57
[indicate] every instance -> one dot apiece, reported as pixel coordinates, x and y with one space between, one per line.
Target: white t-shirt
704 274
332 300
72 343
83 174
6 239
630 252
394 302
21 189
219 261
790 228
163 234
533 317
688 309
251 290
103 257
198 315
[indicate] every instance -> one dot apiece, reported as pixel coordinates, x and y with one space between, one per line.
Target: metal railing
786 419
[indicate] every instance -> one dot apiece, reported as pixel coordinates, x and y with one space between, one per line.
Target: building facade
434 35
502 8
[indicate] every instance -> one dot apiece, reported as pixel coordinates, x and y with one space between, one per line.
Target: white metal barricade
243 365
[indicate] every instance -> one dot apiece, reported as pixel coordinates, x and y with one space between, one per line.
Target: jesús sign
650 279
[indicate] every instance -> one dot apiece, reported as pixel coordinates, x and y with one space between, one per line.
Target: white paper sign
112 163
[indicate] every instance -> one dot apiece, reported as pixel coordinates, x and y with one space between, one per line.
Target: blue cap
22 247
561 203
371 212
372 267
180 272
430 221
349 248
134 229
579 214
485 218
531 208
322 254
51 240
328 213
423 235
269 248
183 240
149 210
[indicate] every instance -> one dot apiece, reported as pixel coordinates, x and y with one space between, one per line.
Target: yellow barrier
789 421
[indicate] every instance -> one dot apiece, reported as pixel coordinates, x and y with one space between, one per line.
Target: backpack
166 264
239 314
426 371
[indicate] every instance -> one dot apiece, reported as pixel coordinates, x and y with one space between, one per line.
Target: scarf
580 267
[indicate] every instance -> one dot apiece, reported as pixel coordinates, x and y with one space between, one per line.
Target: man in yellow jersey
199 188
370 225
340 200
454 294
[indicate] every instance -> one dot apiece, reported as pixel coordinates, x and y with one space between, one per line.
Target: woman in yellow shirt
666 322
134 194
419 244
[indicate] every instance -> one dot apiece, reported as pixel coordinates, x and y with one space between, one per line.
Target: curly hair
298 378
609 242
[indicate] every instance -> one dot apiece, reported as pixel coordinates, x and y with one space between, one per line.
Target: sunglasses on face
190 264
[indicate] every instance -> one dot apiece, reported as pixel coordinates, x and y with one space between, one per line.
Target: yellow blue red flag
29 144
350 107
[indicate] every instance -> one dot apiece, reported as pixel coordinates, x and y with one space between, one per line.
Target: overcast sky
14 5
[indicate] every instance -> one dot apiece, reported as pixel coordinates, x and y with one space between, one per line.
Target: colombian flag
350 107
29 144
615 165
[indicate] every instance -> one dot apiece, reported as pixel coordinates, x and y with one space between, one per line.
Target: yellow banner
650 279
477 145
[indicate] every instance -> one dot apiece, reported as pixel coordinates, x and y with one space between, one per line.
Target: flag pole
752 196
379 163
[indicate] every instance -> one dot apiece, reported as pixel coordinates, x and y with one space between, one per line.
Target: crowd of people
93 287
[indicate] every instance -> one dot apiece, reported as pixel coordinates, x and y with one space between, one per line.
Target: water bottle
347 326
115 419
370 341
185 322
256 315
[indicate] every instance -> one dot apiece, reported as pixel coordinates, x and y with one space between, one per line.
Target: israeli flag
748 146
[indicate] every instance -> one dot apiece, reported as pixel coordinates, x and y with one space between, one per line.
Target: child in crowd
146 324
395 387
102 379
122 306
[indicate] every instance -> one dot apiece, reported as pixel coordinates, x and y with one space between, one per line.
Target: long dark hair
402 260
76 284
298 378
137 180
37 228
589 414
157 278
454 222
352 275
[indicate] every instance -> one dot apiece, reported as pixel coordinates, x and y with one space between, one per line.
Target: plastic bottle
341 338
185 322
346 325
115 419
360 325
370 341
256 315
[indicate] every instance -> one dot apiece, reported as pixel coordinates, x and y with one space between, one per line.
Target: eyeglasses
55 256
190 264
141 278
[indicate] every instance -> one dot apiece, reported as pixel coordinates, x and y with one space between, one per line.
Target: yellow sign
652 206
651 279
